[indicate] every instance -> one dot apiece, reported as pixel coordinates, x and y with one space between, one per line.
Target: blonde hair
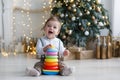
52 18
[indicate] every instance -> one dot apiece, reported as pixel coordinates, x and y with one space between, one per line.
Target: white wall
6 20
0 19
116 18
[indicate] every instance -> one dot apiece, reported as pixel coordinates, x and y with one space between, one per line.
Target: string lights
22 16
27 28
47 6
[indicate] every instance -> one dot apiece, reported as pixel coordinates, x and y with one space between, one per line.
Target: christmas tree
82 20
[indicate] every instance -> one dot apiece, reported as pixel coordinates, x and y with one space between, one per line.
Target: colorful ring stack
51 62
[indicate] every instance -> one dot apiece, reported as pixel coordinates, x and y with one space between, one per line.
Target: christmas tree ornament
79 24
90 8
69 8
88 23
73 18
93 17
100 24
94 1
70 32
97 2
66 15
88 12
77 3
106 17
73 5
63 37
77 18
62 15
86 33
95 21
98 9
74 10
71 1
103 17
80 14
66 4
66 1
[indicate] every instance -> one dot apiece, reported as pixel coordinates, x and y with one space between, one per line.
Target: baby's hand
46 47
66 53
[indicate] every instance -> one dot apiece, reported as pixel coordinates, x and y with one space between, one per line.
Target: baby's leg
32 72
36 70
64 70
38 66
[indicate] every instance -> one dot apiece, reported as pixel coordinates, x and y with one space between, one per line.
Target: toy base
50 73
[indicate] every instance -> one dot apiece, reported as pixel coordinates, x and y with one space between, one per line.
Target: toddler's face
52 28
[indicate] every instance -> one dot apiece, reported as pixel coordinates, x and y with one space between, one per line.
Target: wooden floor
13 68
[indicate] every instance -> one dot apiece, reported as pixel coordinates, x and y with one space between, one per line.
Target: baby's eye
54 27
49 26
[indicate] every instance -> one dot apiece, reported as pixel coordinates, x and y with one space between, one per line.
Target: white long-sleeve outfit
45 41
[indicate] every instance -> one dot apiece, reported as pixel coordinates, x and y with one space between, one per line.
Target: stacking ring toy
51 57
51 63
51 60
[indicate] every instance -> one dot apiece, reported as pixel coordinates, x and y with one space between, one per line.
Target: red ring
51 67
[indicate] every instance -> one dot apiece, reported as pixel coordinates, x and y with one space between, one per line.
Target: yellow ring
51 70
51 60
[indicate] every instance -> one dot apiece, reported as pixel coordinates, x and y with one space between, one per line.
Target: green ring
51 57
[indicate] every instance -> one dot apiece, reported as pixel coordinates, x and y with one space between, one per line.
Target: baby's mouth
50 32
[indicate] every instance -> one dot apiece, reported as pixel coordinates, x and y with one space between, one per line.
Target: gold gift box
79 53
87 54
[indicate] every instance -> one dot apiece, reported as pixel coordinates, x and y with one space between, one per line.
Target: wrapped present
84 54
70 57
87 54
79 53
75 49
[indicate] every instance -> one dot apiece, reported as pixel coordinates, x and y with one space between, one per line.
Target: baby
52 28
